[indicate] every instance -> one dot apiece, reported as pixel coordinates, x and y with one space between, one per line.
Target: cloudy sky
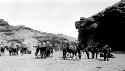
53 16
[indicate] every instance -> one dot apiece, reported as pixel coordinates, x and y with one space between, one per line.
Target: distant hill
25 35
67 37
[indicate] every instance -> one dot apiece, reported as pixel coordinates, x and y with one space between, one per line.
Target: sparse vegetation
29 37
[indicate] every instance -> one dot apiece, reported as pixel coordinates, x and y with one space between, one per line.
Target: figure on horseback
42 48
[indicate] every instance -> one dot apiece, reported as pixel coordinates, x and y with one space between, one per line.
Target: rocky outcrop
106 26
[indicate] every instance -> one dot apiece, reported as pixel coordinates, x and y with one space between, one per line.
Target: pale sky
52 16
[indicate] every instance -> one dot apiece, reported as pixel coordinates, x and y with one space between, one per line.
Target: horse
43 50
94 49
13 49
25 50
71 50
2 50
49 49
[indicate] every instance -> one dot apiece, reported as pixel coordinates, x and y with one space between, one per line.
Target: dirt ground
28 62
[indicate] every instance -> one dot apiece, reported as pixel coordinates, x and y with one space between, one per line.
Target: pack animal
70 50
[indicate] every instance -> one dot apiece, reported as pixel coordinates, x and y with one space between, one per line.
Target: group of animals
73 50
46 50
105 51
14 49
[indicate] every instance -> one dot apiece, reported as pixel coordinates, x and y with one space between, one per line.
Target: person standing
106 51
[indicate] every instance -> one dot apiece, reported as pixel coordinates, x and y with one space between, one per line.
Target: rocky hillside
24 35
106 27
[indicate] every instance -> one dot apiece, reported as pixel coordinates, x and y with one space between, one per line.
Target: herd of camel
45 49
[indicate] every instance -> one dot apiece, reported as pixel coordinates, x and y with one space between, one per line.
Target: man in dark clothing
106 50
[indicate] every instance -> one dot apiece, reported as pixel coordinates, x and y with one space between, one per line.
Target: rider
44 44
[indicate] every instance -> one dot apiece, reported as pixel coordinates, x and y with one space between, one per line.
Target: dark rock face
108 29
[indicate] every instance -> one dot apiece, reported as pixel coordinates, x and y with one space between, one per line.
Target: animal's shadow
38 58
103 59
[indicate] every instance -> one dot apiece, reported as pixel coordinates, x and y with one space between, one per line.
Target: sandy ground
28 62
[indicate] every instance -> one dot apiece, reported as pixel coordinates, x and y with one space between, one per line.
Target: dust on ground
28 62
